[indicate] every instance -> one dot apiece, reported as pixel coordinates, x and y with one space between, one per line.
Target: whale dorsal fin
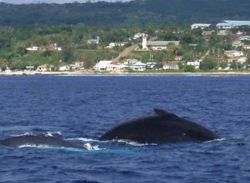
161 112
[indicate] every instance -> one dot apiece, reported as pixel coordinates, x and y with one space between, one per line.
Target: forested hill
136 12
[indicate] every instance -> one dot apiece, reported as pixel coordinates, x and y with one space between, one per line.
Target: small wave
90 147
23 134
87 146
52 134
83 139
34 146
217 140
48 134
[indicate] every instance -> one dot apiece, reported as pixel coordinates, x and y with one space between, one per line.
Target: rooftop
234 23
162 43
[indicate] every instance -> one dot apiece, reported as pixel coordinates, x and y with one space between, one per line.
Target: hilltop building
94 41
230 24
233 53
200 26
156 45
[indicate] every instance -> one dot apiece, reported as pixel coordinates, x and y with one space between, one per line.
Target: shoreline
91 73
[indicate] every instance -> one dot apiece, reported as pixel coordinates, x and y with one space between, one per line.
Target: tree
208 64
189 68
68 52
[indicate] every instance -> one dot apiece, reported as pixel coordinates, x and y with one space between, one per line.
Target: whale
159 128
41 140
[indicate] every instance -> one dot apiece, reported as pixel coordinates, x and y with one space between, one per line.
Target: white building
233 53
151 65
139 66
113 45
139 35
246 47
44 68
237 44
131 61
199 26
54 47
64 68
156 45
245 38
196 64
117 67
171 66
242 60
94 41
230 24
224 32
102 65
32 48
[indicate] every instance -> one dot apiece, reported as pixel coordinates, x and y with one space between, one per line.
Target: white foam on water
133 143
83 139
34 146
23 134
51 134
89 147
216 140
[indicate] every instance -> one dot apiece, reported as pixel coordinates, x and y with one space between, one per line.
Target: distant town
200 47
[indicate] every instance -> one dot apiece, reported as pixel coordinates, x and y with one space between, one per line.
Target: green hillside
131 13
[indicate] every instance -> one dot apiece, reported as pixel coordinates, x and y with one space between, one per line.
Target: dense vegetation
14 42
71 25
131 13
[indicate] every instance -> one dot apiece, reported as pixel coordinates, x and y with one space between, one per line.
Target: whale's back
161 128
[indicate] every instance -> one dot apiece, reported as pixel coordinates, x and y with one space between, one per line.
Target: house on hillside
237 43
242 60
245 38
230 24
224 32
246 47
54 47
156 45
196 63
94 41
233 53
139 35
131 61
207 33
118 44
200 26
32 48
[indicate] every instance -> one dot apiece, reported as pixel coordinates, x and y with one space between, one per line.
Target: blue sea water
82 108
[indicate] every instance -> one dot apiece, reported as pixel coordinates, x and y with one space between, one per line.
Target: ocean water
83 108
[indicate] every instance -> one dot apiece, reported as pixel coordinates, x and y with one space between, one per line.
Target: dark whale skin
163 127
37 140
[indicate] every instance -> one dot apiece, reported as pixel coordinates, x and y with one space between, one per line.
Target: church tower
144 42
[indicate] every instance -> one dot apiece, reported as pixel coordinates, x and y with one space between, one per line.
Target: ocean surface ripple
82 108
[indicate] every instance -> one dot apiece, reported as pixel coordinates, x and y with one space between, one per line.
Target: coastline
92 73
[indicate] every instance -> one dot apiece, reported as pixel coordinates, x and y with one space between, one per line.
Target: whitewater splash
121 141
48 134
87 146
